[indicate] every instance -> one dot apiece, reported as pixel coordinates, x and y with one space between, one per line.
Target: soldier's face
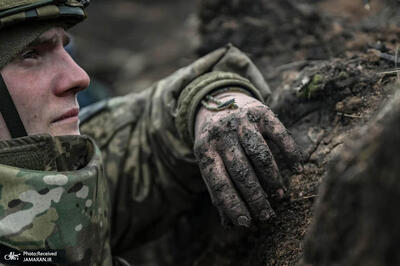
43 82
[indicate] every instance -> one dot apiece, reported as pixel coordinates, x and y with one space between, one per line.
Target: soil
327 68
330 64
355 218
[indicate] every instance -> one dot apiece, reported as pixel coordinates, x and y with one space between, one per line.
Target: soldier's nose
73 78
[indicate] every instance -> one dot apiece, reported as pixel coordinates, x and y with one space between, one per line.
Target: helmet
21 22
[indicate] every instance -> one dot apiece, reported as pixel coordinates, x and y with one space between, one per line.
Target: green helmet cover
22 21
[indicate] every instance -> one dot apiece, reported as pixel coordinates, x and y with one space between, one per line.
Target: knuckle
231 123
253 115
252 141
240 172
219 186
262 111
254 190
216 132
259 201
229 200
236 209
270 120
283 133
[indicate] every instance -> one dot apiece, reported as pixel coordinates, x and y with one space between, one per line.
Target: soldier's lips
68 116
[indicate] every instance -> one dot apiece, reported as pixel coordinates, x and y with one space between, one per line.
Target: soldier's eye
30 54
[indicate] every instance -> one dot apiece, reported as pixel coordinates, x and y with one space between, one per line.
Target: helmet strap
10 113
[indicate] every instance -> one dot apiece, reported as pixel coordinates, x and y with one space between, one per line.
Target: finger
273 129
223 193
245 179
262 159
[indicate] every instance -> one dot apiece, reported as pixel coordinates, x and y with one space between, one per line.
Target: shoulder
104 119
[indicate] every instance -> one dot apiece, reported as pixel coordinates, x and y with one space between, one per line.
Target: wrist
190 99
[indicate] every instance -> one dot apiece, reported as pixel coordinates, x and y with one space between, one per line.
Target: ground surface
328 62
324 61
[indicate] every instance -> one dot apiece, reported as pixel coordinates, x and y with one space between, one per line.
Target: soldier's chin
64 129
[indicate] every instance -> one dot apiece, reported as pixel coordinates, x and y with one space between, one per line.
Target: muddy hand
237 165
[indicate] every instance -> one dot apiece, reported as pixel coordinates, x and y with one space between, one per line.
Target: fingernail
280 192
265 214
298 168
243 221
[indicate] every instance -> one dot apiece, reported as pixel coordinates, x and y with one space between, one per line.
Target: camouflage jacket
149 167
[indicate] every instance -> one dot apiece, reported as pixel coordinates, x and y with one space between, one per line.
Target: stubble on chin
64 129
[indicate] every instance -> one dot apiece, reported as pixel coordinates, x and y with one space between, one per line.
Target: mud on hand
236 163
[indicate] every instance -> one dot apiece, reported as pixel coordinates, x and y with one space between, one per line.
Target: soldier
147 156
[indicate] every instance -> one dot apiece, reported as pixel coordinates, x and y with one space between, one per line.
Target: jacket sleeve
151 170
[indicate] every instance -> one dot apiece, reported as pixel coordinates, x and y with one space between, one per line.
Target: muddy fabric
152 173
196 91
55 198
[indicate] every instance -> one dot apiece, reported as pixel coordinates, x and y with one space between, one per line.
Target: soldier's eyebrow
45 40
51 40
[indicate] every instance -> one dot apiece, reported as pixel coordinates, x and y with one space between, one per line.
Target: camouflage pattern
152 174
17 11
55 197
53 192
